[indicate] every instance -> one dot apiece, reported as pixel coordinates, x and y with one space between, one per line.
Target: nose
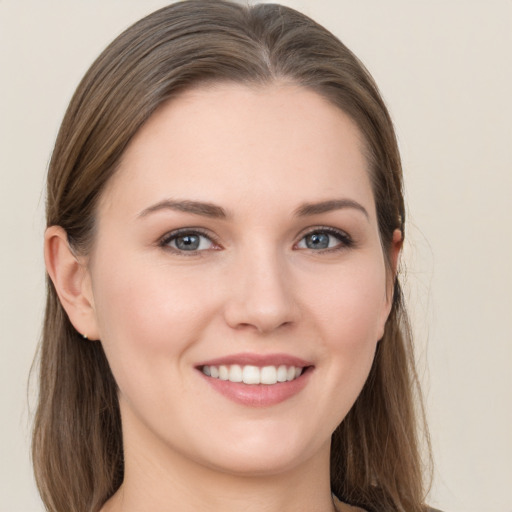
261 294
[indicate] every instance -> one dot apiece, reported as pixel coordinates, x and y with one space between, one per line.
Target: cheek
345 309
147 315
352 306
349 323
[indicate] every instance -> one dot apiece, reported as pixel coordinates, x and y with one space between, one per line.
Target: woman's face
239 241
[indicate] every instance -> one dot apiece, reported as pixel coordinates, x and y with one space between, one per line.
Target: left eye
188 241
318 240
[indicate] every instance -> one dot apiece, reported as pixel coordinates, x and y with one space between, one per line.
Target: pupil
317 241
187 242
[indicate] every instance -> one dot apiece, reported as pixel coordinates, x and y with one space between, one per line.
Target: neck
157 478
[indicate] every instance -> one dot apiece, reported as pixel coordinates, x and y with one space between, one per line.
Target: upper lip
260 360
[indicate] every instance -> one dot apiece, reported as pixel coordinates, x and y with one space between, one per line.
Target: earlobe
394 258
71 280
396 249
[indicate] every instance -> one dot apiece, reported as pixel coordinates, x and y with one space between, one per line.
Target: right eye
325 239
188 241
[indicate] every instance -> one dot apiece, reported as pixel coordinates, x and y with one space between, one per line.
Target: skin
254 286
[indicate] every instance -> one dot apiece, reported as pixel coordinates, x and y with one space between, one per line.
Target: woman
224 327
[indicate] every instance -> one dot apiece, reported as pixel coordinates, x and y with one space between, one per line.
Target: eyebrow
195 207
217 212
328 206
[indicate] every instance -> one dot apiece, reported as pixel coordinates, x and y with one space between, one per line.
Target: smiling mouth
253 375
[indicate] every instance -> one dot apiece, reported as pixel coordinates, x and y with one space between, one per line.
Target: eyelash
183 232
345 241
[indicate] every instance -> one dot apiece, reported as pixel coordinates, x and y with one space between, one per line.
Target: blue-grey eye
189 242
318 240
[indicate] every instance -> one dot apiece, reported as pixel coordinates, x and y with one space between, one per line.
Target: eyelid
164 240
346 241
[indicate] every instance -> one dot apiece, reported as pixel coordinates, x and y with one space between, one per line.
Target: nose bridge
261 295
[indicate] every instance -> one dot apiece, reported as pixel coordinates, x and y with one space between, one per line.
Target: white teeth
223 372
235 373
268 375
253 374
282 371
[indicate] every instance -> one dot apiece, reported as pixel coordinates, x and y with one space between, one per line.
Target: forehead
232 142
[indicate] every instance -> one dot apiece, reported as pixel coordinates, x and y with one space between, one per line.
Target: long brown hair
77 441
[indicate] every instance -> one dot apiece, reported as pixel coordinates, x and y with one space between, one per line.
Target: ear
72 281
393 258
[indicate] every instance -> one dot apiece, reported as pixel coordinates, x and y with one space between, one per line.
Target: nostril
261 297
262 327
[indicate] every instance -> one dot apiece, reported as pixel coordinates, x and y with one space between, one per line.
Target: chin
265 455
262 465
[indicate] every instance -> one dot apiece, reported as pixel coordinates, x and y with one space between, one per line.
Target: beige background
445 69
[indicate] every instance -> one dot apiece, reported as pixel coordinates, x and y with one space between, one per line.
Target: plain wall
445 70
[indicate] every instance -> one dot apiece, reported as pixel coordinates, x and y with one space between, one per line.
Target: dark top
360 509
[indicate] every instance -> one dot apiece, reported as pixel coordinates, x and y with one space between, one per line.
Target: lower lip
259 395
